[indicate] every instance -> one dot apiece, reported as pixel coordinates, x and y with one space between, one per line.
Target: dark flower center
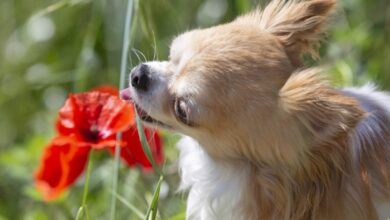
91 134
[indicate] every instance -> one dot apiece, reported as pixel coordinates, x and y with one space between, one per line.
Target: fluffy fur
270 139
340 177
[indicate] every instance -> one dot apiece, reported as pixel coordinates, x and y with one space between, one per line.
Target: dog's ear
322 111
298 24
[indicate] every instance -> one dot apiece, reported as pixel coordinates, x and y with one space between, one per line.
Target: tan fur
323 111
297 24
309 191
311 150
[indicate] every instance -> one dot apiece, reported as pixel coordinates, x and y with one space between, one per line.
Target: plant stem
125 51
52 7
116 176
84 207
87 177
152 210
145 145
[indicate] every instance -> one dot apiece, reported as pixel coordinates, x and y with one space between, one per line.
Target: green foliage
51 48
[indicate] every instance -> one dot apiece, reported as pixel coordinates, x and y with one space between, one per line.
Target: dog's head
223 82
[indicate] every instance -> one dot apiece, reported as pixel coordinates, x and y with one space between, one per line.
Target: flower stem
125 51
116 176
84 208
87 177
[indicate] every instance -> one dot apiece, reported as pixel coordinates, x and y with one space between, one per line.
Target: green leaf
145 145
80 213
59 5
152 210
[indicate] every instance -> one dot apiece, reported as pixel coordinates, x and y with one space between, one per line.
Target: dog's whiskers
134 51
142 54
154 45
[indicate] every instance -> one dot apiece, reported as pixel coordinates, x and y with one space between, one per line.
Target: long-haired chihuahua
267 138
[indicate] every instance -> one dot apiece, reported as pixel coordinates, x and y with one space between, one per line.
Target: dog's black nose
140 77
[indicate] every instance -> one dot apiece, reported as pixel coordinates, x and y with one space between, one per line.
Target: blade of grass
146 20
152 210
136 211
134 25
125 51
80 213
59 5
53 7
145 145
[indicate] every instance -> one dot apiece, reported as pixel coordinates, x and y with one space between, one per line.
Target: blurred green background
51 48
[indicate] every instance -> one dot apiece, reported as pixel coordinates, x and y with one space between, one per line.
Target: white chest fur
215 190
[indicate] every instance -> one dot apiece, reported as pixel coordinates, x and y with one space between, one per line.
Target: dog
265 137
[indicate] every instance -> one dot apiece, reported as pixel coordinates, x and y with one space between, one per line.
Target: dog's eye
182 111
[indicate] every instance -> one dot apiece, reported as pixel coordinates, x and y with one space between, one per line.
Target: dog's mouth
144 116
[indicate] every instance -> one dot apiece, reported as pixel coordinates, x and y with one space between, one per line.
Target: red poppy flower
94 118
61 164
91 120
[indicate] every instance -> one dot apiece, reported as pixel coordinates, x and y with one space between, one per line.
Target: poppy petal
66 121
117 115
109 143
132 153
61 164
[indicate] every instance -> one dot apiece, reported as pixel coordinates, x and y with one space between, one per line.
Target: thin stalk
83 208
152 210
53 7
145 145
134 209
116 176
126 43
58 5
125 51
